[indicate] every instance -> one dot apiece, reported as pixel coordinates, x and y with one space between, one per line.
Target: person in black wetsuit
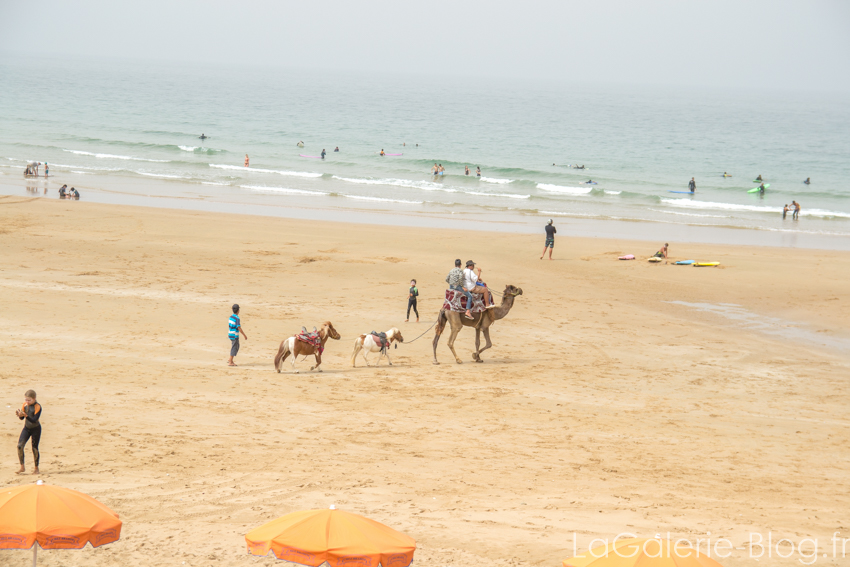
412 294
692 185
323 153
550 238
30 413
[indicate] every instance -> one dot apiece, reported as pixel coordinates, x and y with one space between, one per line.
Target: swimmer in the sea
246 160
726 174
382 152
323 153
336 149
203 137
808 181
478 172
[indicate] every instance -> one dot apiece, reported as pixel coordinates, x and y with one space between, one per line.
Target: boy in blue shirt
234 327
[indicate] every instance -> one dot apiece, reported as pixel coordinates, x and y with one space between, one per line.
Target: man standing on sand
550 238
234 327
692 185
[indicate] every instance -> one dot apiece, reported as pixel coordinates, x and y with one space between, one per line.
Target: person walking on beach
692 185
234 327
550 238
246 160
30 414
412 294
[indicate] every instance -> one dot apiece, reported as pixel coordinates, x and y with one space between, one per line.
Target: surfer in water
323 153
761 188
759 179
808 181
203 137
336 149
692 185
382 152
726 174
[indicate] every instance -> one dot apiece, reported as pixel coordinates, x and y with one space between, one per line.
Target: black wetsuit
411 301
32 430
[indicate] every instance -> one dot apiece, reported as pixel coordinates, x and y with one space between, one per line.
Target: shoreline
498 220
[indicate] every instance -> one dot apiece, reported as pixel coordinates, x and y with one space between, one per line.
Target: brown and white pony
294 348
367 344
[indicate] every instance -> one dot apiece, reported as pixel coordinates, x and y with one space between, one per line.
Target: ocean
128 132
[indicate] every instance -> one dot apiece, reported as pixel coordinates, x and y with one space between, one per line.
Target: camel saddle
456 301
381 340
311 339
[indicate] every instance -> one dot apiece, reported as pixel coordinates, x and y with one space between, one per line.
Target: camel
480 321
293 347
367 344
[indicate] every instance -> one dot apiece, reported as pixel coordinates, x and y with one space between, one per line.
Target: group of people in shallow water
794 209
32 169
438 169
65 193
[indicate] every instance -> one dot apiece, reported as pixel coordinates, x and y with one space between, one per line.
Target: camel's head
329 329
395 335
511 291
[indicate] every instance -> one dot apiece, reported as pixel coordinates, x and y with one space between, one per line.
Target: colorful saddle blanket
381 340
456 301
311 339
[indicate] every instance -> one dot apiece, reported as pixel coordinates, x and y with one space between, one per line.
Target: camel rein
426 330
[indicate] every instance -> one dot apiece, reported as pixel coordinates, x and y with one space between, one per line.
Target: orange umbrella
641 552
55 518
340 538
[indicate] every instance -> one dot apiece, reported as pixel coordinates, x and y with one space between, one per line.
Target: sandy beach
618 396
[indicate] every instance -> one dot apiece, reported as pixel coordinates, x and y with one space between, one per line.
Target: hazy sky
782 44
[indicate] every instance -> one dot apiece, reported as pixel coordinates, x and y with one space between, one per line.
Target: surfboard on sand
685 262
705 264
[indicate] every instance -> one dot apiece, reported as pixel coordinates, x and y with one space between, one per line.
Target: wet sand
603 407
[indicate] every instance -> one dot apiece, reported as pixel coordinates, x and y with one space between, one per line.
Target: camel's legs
475 354
486 346
437 333
451 342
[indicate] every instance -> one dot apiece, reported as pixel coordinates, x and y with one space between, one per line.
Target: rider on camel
455 281
472 285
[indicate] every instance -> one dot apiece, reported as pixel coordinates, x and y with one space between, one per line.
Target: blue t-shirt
233 325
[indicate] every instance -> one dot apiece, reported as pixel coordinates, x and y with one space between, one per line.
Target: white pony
370 343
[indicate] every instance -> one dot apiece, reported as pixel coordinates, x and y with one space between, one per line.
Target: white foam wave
113 156
81 172
613 192
494 180
689 204
259 170
424 185
690 214
160 175
282 190
188 148
562 189
381 199
86 167
506 195
213 183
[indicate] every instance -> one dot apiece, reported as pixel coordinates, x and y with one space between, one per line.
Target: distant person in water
550 238
62 191
662 253
336 149
478 172
323 153
796 214
202 137
435 170
46 169
785 211
74 194
692 185
300 144
761 188
726 174
466 170
382 151
442 169
246 160
759 178
808 180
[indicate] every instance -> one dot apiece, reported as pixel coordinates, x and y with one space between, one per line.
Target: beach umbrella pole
34 553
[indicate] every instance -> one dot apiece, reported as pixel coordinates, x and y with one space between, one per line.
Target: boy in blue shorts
234 327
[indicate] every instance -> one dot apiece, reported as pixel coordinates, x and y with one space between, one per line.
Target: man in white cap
550 239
